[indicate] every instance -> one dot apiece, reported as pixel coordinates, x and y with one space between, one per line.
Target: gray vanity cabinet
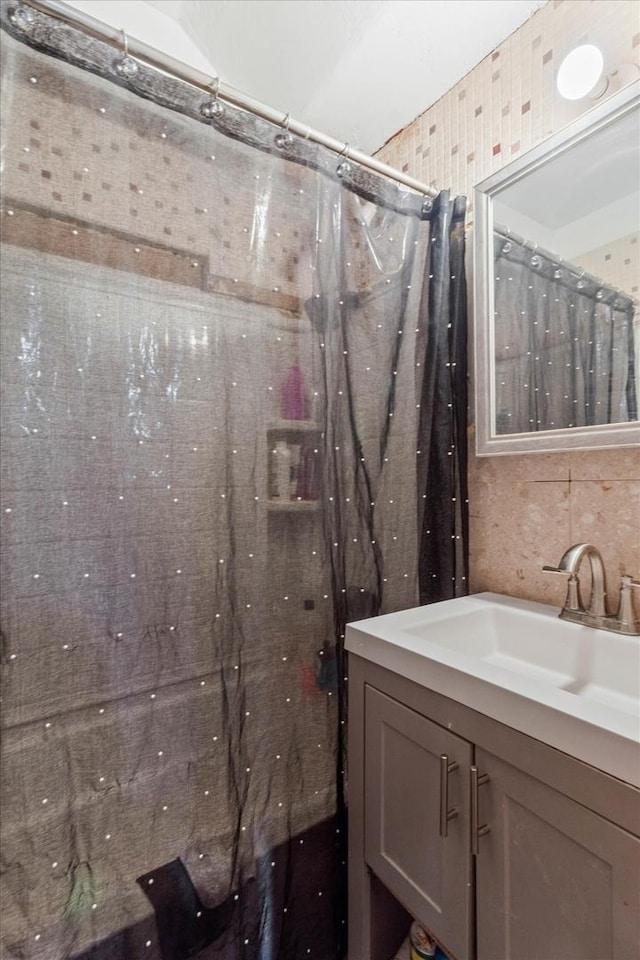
541 857
416 816
553 879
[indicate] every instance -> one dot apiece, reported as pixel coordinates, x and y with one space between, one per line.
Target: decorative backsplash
525 510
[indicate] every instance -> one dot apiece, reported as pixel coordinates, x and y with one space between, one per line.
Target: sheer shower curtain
214 402
564 344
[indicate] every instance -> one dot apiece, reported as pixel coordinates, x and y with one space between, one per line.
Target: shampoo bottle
294 471
282 471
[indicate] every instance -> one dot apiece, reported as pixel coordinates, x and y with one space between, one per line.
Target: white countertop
515 661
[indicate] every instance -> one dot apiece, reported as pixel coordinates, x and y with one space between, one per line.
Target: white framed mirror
556 253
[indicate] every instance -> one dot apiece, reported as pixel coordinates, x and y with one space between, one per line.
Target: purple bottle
293 403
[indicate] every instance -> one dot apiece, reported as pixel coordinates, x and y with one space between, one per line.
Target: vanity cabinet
506 849
416 816
553 879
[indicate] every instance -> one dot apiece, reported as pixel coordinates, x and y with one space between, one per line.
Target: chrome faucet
624 621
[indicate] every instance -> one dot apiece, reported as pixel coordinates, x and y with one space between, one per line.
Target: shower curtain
233 419
564 344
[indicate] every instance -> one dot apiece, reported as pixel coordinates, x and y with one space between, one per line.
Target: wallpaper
527 509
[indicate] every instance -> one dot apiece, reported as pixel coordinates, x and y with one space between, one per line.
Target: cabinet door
427 872
554 880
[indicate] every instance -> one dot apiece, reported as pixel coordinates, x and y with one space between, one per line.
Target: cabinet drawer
430 873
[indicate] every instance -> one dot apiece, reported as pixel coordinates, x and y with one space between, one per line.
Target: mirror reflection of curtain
174 601
563 345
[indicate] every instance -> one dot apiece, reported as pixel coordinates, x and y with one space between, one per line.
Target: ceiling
356 69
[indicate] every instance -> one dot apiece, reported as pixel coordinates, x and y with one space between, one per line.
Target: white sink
573 687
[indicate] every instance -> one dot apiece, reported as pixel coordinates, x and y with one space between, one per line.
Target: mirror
557 288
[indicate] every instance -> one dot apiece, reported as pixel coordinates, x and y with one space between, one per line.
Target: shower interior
168 681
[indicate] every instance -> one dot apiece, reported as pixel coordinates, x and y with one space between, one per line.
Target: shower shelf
303 434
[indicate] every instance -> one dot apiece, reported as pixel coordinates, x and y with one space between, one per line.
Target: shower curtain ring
212 107
21 17
344 166
285 139
126 66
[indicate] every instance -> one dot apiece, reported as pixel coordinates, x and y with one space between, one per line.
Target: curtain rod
168 64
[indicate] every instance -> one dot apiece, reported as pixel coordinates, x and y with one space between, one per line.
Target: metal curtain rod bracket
139 50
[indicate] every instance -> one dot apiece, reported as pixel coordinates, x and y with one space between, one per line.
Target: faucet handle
573 601
626 614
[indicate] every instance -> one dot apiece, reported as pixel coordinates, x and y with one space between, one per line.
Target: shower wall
163 691
526 510
95 166
109 546
154 202
112 579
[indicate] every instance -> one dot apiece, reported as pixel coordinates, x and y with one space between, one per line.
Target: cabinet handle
445 814
477 831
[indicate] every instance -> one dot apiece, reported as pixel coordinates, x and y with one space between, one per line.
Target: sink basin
571 686
585 662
